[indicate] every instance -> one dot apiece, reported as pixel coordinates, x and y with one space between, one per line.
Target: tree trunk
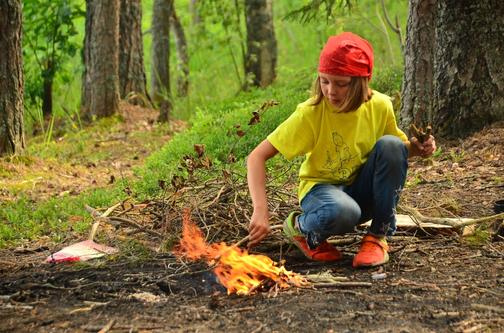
161 57
453 66
131 65
11 78
417 88
183 57
468 72
100 92
193 9
47 97
261 56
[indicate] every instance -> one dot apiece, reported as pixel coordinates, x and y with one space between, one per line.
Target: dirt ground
435 281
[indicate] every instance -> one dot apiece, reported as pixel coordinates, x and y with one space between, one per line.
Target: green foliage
49 41
223 129
437 153
387 80
311 11
480 237
456 155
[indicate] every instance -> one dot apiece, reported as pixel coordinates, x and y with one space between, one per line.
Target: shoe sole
384 261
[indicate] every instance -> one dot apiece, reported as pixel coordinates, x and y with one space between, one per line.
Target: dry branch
107 327
342 284
452 222
113 219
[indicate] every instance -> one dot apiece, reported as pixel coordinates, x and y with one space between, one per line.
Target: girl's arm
256 177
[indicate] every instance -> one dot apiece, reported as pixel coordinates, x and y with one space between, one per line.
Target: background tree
261 58
100 86
48 34
131 65
467 73
11 78
182 55
161 95
417 88
453 75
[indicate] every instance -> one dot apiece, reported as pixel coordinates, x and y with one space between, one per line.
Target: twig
104 217
344 241
98 217
107 327
395 28
484 307
342 284
243 240
216 198
133 224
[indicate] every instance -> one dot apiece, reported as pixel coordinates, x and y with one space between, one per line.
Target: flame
238 271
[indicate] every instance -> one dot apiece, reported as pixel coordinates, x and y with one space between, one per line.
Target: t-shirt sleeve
391 125
295 136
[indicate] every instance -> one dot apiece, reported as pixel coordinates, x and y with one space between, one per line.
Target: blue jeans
336 209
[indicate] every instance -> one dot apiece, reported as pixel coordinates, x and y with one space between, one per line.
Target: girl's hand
425 149
259 227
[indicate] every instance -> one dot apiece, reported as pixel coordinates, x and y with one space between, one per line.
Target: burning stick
238 271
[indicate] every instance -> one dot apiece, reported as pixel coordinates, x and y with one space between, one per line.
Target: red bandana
347 54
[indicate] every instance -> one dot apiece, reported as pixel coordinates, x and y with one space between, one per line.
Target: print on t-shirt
338 159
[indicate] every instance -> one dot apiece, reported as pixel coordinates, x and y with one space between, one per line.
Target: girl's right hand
259 227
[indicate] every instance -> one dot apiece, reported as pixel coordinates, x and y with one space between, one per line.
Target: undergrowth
218 116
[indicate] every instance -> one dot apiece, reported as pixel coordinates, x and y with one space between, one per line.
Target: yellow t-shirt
335 144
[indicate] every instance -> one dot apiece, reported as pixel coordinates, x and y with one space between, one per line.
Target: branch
395 28
452 222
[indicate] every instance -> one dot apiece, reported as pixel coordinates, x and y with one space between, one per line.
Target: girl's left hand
425 149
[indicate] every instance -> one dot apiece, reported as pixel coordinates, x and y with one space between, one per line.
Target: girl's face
334 88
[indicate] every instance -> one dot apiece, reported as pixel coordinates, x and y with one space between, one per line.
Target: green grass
27 220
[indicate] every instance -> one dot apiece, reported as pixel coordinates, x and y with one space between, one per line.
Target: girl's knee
391 147
336 218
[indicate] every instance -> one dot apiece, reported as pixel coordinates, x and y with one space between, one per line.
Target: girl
355 159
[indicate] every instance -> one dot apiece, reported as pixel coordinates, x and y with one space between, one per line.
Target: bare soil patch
435 282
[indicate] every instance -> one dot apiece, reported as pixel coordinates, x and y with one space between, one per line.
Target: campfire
238 271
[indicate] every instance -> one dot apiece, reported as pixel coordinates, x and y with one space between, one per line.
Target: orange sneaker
373 252
324 252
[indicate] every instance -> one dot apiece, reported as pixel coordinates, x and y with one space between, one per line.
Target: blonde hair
358 93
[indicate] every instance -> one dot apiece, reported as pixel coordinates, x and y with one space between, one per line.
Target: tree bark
468 75
100 87
47 97
11 78
417 88
261 55
161 57
131 65
183 57
193 9
453 66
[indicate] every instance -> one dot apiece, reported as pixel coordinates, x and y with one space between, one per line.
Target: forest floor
90 159
436 280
